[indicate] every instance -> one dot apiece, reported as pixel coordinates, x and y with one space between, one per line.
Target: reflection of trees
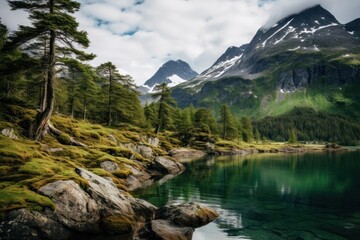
259 188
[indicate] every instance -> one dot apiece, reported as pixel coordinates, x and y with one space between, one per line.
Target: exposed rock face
9 132
168 166
293 79
187 214
105 192
74 207
102 209
164 230
31 225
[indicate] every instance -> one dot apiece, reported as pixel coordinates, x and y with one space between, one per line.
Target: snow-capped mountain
310 49
173 73
310 31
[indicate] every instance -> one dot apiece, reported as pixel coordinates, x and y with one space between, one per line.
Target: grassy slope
25 165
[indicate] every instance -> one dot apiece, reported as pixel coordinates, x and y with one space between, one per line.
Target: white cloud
140 38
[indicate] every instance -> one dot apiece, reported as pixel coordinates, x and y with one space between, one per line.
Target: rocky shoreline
102 209
97 207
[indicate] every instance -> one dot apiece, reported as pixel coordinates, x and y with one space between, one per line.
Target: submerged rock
187 214
164 230
74 207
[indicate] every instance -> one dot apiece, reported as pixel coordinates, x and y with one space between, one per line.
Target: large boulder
32 225
74 207
187 214
167 166
116 214
164 230
106 193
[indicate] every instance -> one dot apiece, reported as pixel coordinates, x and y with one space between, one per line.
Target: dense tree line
306 124
49 75
41 69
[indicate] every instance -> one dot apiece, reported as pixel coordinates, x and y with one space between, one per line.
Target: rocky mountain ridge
307 49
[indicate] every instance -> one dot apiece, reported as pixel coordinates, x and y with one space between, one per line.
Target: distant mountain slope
307 59
172 72
353 27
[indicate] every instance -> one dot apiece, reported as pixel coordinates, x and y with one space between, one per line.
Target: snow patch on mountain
264 43
175 80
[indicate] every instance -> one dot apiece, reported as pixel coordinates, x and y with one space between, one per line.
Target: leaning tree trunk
109 117
160 117
40 125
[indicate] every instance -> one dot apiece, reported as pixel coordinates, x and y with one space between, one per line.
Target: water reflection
309 196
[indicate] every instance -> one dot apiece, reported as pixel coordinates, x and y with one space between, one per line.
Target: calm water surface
271 196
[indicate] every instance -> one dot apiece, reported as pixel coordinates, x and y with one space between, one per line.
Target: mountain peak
172 72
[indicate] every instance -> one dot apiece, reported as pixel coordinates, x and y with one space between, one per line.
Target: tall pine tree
51 19
165 102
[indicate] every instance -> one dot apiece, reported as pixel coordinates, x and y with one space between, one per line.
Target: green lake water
271 196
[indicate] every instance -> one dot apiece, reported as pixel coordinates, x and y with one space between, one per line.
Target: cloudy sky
138 36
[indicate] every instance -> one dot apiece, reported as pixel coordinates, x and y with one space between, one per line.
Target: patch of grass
13 151
40 167
13 197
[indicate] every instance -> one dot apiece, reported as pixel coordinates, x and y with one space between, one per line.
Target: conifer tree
109 72
205 121
165 103
51 19
257 136
228 126
292 136
248 134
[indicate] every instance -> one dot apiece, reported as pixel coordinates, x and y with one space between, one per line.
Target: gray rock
133 183
164 230
105 193
187 214
142 175
116 213
9 132
31 225
144 151
144 211
74 207
109 166
181 153
167 166
153 141
141 149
